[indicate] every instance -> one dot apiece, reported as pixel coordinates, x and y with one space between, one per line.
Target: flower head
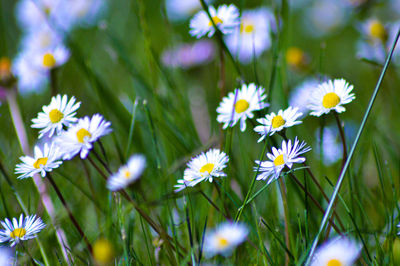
281 158
226 18
224 239
338 251
60 112
276 122
374 30
205 166
24 229
240 105
80 137
51 57
127 173
330 95
300 96
44 160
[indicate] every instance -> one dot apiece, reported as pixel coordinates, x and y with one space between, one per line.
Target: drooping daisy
226 18
240 105
281 158
60 112
224 239
43 161
338 251
127 173
80 137
205 166
276 122
253 36
24 229
330 95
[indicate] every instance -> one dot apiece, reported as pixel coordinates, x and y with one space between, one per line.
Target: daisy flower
375 30
24 229
226 18
51 58
41 39
338 251
330 95
205 166
60 112
224 239
276 122
182 9
300 95
32 14
79 137
240 105
127 173
44 160
253 36
279 158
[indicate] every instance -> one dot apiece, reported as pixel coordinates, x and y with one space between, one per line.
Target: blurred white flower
331 146
127 173
338 251
32 14
6 256
44 160
189 55
51 57
299 97
226 18
240 105
224 239
374 30
253 36
41 39
182 9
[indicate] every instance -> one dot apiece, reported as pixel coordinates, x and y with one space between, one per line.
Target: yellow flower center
222 242
207 168
48 60
18 232
330 100
278 121
334 262
216 20
294 56
241 106
55 116
127 174
103 251
47 10
249 28
39 162
279 160
81 134
377 30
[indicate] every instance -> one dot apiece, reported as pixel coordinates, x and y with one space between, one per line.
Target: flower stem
342 136
286 212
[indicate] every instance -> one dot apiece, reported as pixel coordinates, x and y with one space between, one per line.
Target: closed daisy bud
330 95
23 229
240 105
127 174
337 252
226 18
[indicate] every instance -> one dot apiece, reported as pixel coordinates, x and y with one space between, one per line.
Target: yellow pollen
295 56
249 28
39 162
330 100
207 168
127 174
81 134
216 20
278 121
377 30
279 160
222 242
18 232
334 262
241 106
48 60
55 116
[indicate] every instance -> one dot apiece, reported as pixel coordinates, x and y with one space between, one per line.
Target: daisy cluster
45 25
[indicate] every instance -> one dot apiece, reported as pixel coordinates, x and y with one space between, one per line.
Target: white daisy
300 95
253 36
338 251
51 57
32 14
239 105
127 173
41 39
205 166
226 18
182 9
276 122
224 239
375 30
330 95
281 158
60 112
79 137
43 161
23 229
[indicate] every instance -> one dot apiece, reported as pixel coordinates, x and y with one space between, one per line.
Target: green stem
286 212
